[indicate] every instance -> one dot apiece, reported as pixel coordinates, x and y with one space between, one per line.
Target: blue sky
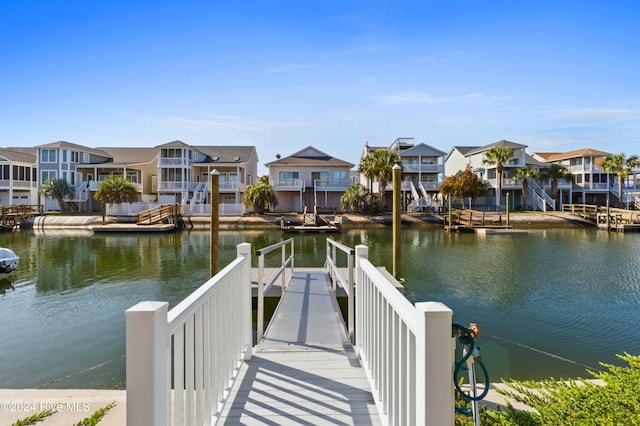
282 75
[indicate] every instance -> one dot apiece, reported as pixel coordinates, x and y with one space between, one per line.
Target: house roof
218 153
503 143
21 155
557 156
421 149
69 145
130 155
310 156
227 154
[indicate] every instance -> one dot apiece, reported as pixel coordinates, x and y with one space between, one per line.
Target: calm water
551 303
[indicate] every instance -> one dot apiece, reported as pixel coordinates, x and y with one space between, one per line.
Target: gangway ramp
305 370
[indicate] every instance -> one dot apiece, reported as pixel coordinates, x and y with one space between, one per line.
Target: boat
8 261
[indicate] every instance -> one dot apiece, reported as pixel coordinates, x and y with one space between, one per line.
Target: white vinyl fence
181 363
406 350
130 209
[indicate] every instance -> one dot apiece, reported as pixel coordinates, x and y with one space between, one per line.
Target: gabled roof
310 156
531 161
421 149
557 156
20 155
69 145
227 154
461 149
174 144
503 143
218 153
130 155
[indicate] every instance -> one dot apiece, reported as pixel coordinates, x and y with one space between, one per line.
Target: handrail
263 286
337 278
180 363
404 349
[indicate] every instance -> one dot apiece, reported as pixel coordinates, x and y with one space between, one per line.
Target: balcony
17 184
287 184
173 161
331 184
422 168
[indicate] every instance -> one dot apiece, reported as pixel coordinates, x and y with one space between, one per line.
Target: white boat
8 260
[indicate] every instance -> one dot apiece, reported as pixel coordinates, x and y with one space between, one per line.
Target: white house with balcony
84 168
18 176
460 156
422 173
309 178
591 184
184 172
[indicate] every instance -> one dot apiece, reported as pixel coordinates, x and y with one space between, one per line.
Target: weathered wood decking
305 370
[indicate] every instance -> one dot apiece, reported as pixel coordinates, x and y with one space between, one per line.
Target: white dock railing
198 346
406 350
264 286
347 283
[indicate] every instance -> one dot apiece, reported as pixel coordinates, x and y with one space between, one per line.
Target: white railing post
350 299
244 250
362 252
434 387
260 313
147 354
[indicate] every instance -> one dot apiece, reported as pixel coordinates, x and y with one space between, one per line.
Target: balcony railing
284 184
331 184
18 184
422 168
173 161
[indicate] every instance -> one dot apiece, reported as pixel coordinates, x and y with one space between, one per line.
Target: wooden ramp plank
305 371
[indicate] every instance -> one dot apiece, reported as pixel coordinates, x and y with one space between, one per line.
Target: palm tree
260 195
621 166
499 156
379 164
58 189
525 173
554 172
354 198
116 189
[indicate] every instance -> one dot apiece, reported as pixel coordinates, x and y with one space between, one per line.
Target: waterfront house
422 173
309 178
184 172
18 176
591 185
84 168
460 156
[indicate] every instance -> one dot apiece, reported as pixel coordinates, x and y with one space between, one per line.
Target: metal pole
507 207
215 219
397 219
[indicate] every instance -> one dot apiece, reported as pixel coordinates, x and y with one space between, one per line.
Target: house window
4 172
85 158
75 157
64 155
287 178
133 177
48 156
427 161
48 175
319 176
340 175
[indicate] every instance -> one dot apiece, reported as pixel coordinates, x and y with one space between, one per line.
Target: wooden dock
305 370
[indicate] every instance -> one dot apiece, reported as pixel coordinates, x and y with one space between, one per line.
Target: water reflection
548 303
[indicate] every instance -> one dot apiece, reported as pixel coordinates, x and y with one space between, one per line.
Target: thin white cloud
423 98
